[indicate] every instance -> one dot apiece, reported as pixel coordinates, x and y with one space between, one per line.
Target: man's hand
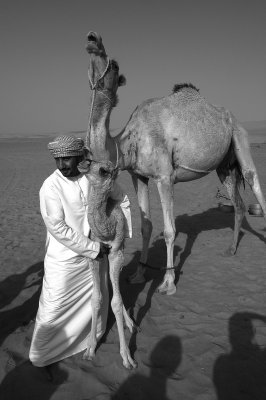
104 249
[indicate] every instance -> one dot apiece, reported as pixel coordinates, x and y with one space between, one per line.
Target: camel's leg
242 151
96 301
166 191
116 260
229 180
129 323
142 190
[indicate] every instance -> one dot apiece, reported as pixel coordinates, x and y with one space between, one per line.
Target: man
64 315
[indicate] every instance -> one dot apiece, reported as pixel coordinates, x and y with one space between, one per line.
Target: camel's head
101 174
95 44
103 72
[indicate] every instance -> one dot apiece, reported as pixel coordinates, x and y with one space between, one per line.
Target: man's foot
47 372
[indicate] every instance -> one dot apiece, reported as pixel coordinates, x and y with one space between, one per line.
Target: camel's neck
98 135
97 200
99 217
99 140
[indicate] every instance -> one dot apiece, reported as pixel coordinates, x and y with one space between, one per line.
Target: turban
66 146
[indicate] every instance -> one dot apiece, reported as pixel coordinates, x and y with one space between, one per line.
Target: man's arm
54 219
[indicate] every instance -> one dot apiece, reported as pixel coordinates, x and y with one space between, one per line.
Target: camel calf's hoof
167 288
88 355
130 363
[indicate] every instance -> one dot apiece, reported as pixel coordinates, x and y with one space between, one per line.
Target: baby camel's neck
99 216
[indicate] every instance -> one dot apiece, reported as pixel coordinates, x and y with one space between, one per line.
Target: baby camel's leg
96 301
116 260
129 323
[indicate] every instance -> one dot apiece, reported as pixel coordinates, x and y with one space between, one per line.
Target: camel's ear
122 80
117 172
87 153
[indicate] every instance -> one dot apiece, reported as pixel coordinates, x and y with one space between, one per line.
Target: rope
157 269
90 118
117 154
93 88
200 171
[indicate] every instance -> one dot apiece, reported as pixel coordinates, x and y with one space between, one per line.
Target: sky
219 46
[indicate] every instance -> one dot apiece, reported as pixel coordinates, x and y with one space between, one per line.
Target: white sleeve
118 195
54 219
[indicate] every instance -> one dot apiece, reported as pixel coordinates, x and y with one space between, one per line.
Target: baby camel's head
101 174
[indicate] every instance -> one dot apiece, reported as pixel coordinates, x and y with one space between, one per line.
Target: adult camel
177 138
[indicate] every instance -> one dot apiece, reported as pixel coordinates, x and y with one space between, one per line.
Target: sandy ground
208 341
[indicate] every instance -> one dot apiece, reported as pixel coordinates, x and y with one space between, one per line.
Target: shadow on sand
212 219
163 363
10 288
26 382
240 374
192 226
21 376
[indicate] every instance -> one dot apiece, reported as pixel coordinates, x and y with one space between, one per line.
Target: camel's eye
115 66
103 172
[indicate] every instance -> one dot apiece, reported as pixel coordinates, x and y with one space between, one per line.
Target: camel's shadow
191 226
211 219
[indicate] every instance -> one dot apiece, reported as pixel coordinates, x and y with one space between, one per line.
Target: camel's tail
244 163
231 163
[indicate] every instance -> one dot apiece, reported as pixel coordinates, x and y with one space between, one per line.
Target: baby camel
107 224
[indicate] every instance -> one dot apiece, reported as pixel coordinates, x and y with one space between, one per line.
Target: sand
208 341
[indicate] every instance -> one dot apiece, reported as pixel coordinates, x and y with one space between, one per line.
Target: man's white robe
64 316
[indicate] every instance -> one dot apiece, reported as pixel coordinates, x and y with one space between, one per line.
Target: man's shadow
26 382
10 288
240 374
163 363
21 377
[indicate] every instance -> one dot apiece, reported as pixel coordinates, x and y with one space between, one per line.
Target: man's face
68 165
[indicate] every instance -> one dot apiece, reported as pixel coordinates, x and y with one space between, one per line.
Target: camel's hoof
135 329
167 288
47 372
231 251
130 364
132 328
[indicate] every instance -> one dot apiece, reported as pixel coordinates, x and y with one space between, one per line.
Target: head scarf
66 146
